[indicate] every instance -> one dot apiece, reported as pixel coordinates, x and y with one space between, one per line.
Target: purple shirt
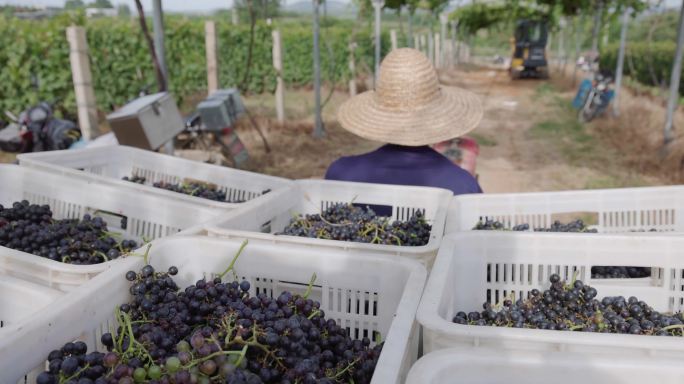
395 164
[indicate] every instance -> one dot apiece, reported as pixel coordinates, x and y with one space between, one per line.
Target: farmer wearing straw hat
409 111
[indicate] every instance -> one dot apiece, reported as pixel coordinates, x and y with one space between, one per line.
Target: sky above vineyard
190 6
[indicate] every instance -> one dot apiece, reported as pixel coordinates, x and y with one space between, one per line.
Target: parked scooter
593 97
36 130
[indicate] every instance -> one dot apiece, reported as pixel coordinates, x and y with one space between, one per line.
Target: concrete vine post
443 19
212 58
234 15
319 132
158 24
454 54
621 62
377 4
83 82
597 28
352 70
438 51
561 45
579 22
280 84
410 39
674 80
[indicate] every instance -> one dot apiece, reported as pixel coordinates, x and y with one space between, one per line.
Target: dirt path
530 141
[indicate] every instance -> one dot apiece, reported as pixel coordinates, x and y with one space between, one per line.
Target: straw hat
409 106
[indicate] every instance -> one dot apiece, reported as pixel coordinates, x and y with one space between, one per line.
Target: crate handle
111 217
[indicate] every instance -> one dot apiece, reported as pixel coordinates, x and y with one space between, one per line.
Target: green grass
483 140
613 181
562 130
544 90
569 137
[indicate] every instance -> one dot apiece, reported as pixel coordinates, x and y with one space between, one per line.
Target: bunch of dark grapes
216 332
494 225
613 272
135 179
573 226
30 228
193 189
577 226
575 307
348 222
199 189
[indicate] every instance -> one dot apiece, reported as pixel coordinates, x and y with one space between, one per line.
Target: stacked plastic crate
637 227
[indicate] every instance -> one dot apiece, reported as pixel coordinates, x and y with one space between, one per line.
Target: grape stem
103 255
232 263
146 256
63 380
347 368
310 287
674 326
313 314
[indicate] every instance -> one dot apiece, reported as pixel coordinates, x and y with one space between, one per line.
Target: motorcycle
36 130
593 97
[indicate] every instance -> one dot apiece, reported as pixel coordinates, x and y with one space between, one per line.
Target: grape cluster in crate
557 226
575 226
215 331
348 222
191 188
222 329
574 306
31 228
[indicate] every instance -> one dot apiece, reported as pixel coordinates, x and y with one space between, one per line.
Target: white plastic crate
391 288
486 366
314 196
110 164
474 267
19 300
147 216
616 210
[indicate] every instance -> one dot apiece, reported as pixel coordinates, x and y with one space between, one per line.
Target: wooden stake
280 85
352 70
212 61
234 14
438 51
83 84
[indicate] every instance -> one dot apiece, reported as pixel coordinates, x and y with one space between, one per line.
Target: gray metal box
214 113
231 97
147 122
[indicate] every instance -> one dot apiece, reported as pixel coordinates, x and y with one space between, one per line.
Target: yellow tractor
529 50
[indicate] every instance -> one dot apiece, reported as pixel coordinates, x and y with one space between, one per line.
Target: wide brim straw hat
409 106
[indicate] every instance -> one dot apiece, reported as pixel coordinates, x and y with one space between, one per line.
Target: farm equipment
529 50
37 129
593 97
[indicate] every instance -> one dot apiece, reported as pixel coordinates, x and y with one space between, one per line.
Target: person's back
409 110
402 165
